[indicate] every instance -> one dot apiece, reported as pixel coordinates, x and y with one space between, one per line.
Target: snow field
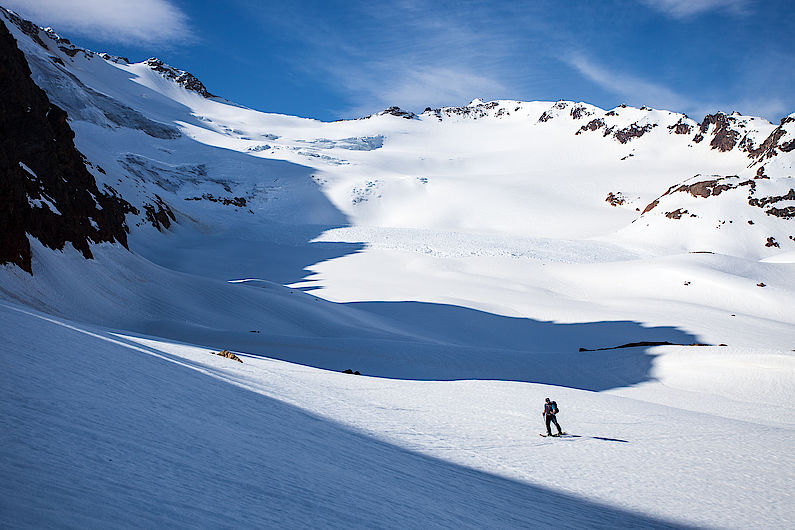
462 261
132 431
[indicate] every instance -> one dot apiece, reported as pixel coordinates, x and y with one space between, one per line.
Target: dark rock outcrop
622 135
579 111
764 201
628 133
676 214
186 79
615 199
770 147
239 202
28 28
680 127
704 189
397 111
724 137
784 213
159 214
592 125
45 188
651 206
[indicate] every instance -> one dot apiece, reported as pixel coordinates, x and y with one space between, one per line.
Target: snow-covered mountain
473 259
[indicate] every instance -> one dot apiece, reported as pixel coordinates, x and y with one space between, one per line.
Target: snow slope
460 259
102 429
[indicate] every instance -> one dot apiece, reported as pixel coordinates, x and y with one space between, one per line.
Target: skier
550 409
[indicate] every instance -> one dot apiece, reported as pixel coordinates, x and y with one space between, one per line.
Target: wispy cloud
635 90
418 87
415 54
684 9
141 21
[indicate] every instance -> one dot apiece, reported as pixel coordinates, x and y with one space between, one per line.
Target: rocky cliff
46 190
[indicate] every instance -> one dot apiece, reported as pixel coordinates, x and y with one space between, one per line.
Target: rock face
46 190
781 140
186 79
744 202
724 137
397 111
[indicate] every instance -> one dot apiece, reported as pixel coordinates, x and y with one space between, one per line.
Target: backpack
555 409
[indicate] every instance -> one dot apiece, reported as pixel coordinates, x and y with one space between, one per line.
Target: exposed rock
680 127
633 131
784 213
239 202
698 137
676 214
28 28
46 190
615 199
159 214
724 137
349 371
760 173
579 111
652 205
764 201
761 284
592 125
114 58
703 189
397 111
622 135
229 355
186 79
545 117
643 343
769 148
771 242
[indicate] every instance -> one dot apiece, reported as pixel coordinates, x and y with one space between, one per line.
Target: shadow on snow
105 434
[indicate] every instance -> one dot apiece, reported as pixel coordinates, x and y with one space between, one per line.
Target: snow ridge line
150 351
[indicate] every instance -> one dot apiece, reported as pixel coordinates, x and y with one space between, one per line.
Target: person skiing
550 409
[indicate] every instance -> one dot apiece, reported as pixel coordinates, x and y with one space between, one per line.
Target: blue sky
330 60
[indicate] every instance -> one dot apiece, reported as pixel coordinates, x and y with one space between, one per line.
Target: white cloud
139 21
682 9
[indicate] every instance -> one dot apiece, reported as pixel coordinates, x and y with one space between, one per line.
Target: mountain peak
397 111
181 77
